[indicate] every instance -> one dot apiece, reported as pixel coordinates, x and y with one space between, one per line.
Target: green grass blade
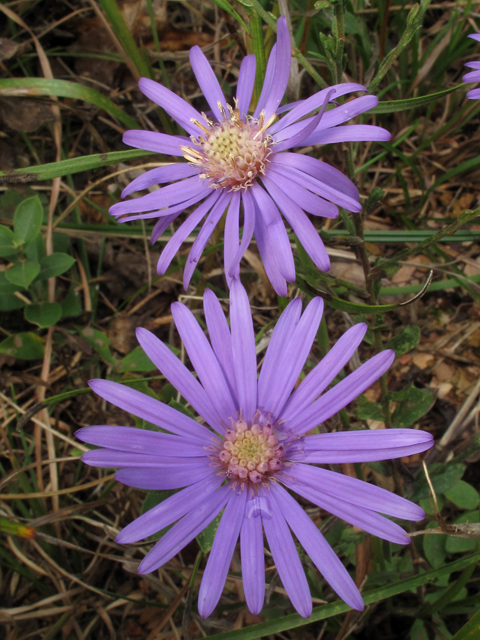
470 631
71 166
328 610
394 106
23 87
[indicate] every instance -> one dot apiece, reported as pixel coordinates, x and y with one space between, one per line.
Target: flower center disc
250 453
233 152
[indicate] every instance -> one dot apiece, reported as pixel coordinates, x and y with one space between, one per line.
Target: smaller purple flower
249 450
245 165
473 76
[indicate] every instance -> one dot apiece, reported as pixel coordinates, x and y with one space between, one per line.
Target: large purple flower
233 159
251 448
473 76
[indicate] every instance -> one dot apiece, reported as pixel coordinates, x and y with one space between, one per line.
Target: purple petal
305 199
246 81
357 492
185 531
168 212
473 65
248 229
162 225
160 175
304 107
475 36
325 190
293 356
207 81
243 345
322 555
166 196
203 236
149 409
301 225
367 520
474 94
184 231
204 362
283 59
471 76
362 446
152 479
112 459
221 554
168 511
269 257
267 83
343 392
220 337
319 170
286 560
276 232
297 133
324 373
231 237
141 441
253 562
179 376
176 107
348 133
282 334
156 142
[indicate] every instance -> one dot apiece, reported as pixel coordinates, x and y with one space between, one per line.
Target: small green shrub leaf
45 314
28 219
7 242
54 265
405 340
413 404
26 346
23 273
463 495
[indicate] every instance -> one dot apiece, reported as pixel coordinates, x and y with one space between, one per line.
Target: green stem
339 9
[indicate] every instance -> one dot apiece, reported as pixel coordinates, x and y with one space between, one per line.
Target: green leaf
414 404
7 242
418 631
178 406
394 106
470 631
406 339
28 219
137 360
7 287
71 304
71 166
461 545
223 4
54 265
25 346
463 495
206 537
367 410
23 273
434 547
65 89
443 478
45 314
100 342
9 302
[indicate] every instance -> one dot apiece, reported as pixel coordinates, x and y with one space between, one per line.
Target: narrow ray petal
149 409
179 376
155 479
220 337
246 81
221 554
253 562
185 530
322 555
207 81
286 560
248 229
156 142
160 175
282 68
168 511
348 133
231 238
268 253
309 202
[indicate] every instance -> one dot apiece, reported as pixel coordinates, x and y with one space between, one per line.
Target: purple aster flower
473 76
251 448
234 159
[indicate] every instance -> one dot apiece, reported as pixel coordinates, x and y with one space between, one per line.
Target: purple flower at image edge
234 159
473 76
252 450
